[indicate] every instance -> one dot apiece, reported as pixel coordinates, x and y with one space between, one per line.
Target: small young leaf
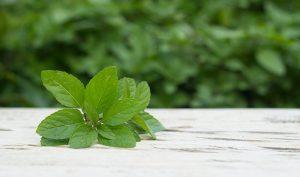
66 88
120 112
101 92
143 95
136 127
105 131
53 142
127 88
124 137
148 123
83 137
135 133
139 120
152 123
61 124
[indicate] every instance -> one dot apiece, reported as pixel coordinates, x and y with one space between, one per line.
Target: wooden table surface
197 143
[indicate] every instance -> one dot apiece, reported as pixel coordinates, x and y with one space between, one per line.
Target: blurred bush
194 53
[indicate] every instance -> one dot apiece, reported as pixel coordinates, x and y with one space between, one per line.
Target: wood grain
197 143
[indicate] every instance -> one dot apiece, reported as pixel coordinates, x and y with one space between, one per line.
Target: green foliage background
193 53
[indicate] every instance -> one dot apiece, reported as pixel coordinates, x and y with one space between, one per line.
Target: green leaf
84 136
53 142
136 127
135 133
271 61
61 124
142 95
127 88
124 137
147 122
101 92
140 121
120 112
66 88
105 131
153 123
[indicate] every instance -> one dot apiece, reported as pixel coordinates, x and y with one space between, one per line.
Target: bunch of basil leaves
112 111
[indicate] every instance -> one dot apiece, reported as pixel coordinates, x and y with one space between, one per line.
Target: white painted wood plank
198 142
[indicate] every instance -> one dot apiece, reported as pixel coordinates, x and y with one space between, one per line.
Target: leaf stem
88 121
85 117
